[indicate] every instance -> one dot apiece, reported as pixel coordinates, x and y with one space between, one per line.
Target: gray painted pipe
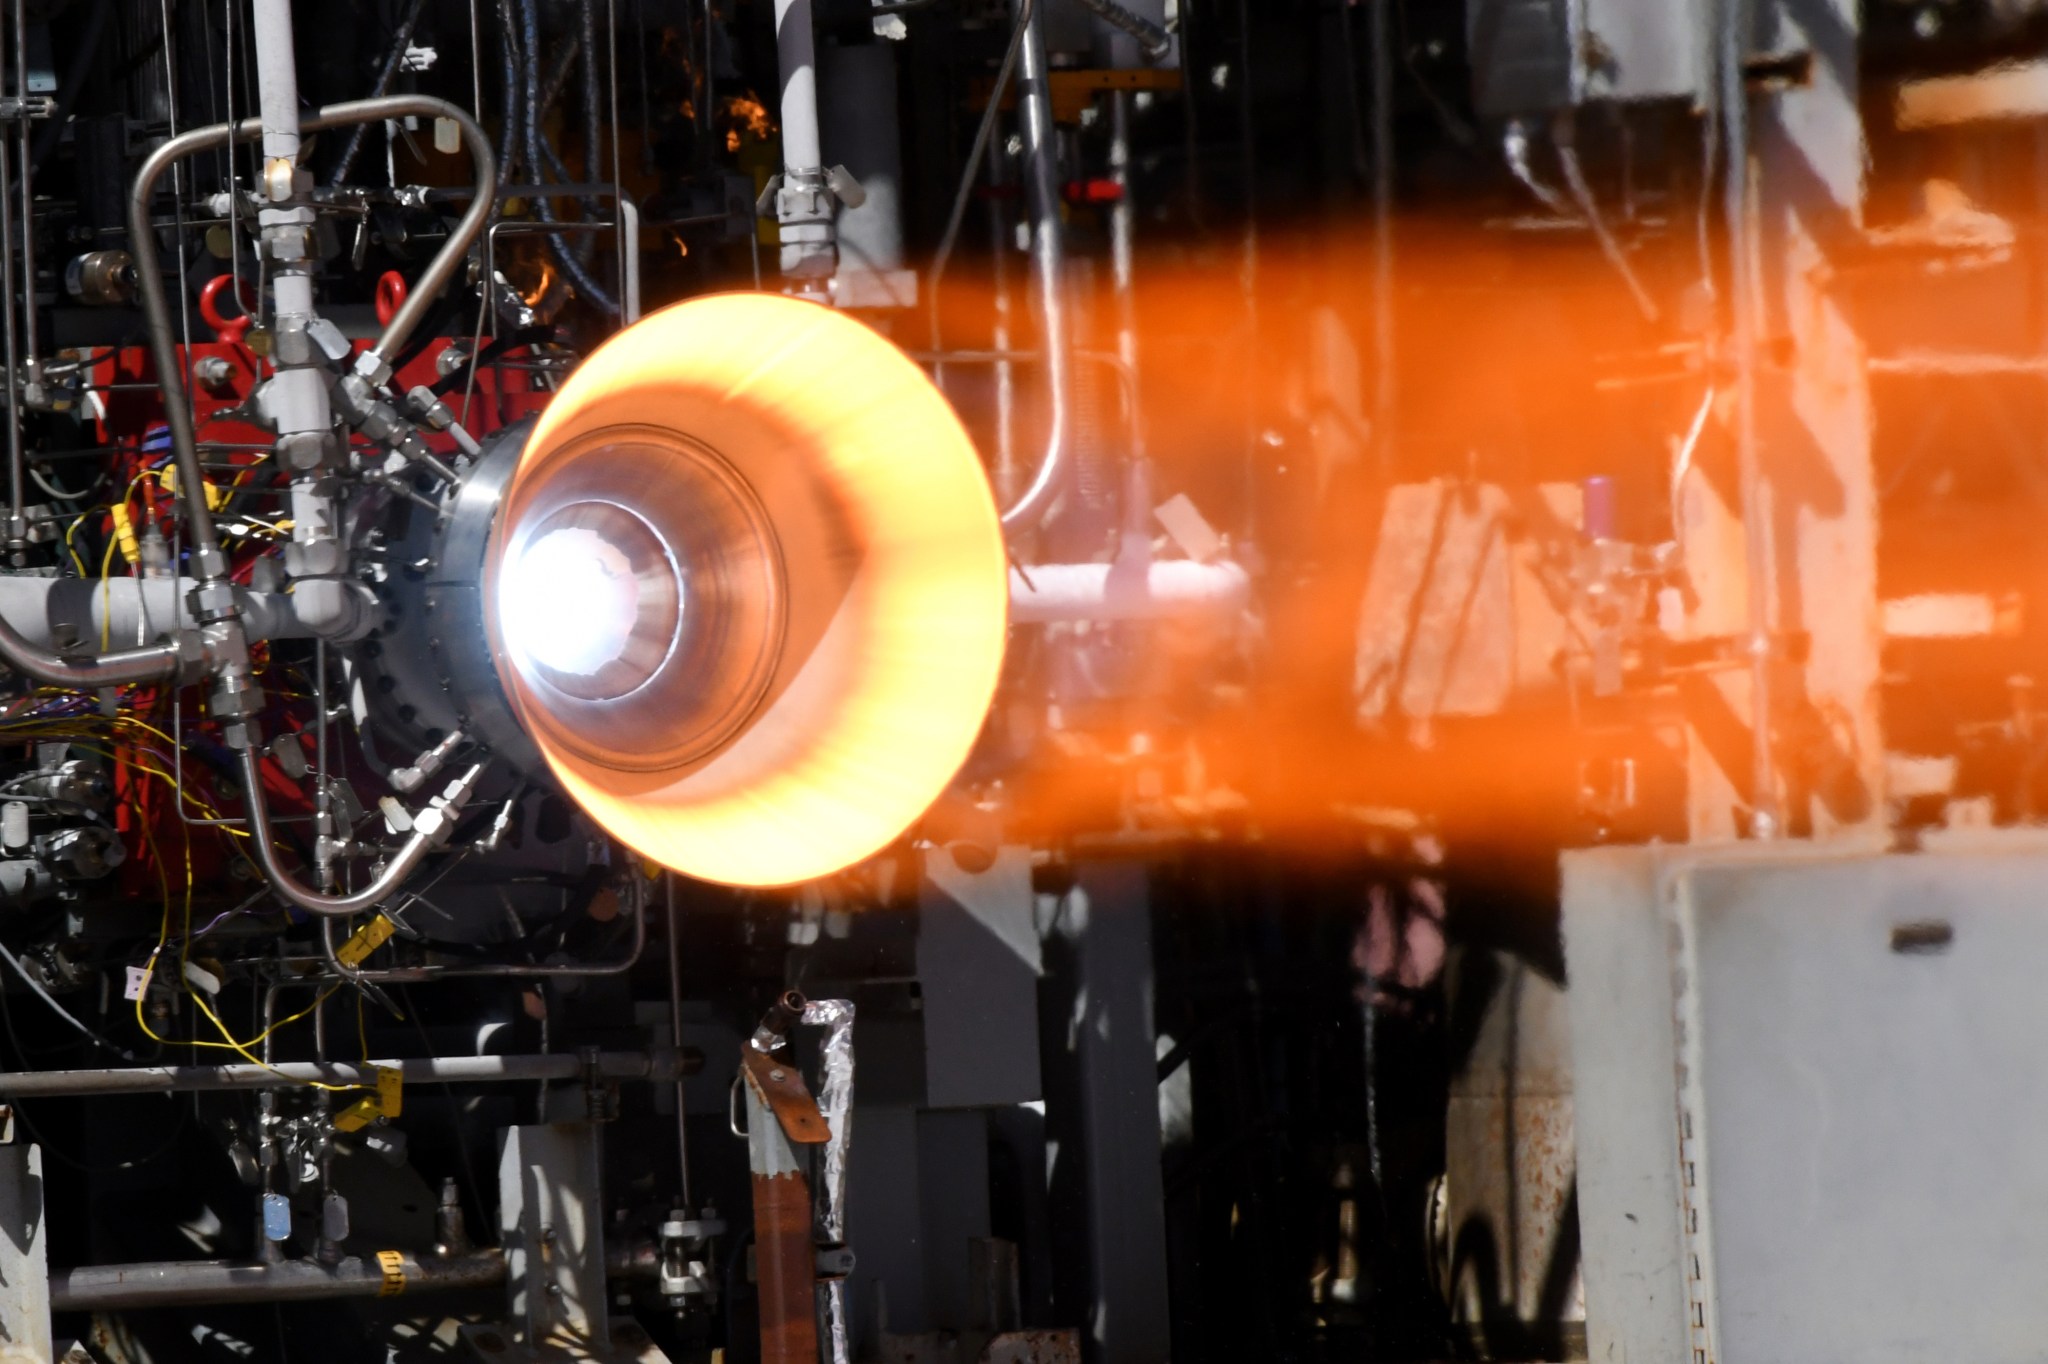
190 1283
660 1065
1128 590
223 1283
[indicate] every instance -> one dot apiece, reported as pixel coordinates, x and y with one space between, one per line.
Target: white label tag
447 137
138 981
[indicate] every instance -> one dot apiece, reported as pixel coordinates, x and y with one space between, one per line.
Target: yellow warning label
366 940
393 1266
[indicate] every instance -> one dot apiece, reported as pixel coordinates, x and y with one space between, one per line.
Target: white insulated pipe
277 80
1129 589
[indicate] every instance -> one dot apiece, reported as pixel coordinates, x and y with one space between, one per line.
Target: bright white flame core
570 601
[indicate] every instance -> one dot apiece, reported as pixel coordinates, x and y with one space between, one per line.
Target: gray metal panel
1530 56
1105 1185
952 1171
1508 1153
1617 950
1645 49
1875 1175
978 965
885 1224
24 1263
1521 54
551 1223
857 91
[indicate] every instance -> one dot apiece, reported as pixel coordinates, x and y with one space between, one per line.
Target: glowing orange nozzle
747 590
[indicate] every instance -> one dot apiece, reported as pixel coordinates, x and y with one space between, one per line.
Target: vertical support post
1798 555
1102 1117
1002 242
785 1261
1137 494
551 1223
24 1261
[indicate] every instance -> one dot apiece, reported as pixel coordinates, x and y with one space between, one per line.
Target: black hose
578 273
400 41
513 138
558 79
593 127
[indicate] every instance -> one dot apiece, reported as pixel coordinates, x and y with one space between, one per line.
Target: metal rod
660 1065
30 343
1383 232
1001 334
1137 495
1048 267
1743 232
10 356
675 1029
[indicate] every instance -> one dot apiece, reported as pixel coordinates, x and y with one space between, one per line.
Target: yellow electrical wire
72 548
228 1042
70 729
107 593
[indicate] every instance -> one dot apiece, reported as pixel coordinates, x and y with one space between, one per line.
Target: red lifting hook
390 296
231 329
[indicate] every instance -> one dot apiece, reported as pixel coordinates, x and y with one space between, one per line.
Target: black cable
87 1167
63 1156
593 125
565 257
476 1190
512 140
400 41
36 987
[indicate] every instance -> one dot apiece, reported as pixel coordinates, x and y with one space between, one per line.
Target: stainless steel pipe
1048 268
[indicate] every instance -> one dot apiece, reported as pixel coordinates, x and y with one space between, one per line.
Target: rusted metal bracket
780 1088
